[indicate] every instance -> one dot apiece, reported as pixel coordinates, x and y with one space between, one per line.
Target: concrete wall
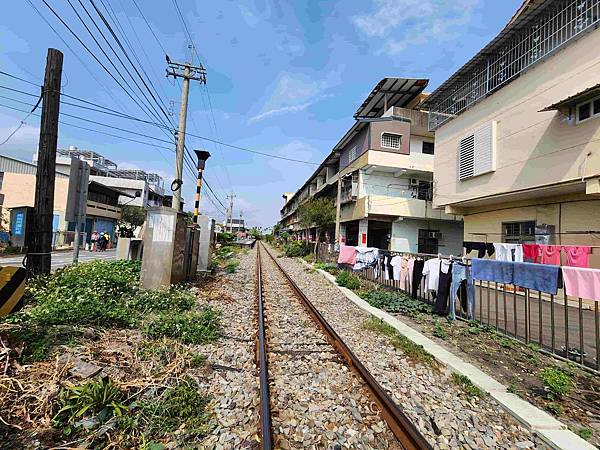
416 144
386 184
362 143
395 127
533 148
405 235
127 186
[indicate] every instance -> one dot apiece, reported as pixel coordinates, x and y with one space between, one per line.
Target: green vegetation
396 302
310 258
231 266
414 351
347 280
225 238
296 248
557 382
190 328
173 298
101 399
585 433
439 330
467 385
319 213
554 408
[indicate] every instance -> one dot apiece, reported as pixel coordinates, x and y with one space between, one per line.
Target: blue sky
283 78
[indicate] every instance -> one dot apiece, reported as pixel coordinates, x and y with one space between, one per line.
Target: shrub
310 258
231 266
585 433
346 279
190 328
225 238
439 331
396 302
12 250
556 382
296 248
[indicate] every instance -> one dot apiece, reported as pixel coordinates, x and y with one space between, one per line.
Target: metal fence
65 239
567 328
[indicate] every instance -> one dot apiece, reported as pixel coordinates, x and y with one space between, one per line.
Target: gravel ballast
429 396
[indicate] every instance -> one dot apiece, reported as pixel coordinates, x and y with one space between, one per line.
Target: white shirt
504 252
396 263
431 270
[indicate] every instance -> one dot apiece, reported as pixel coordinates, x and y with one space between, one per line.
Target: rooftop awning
575 99
390 92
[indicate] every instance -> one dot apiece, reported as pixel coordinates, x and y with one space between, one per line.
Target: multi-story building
146 188
385 164
517 130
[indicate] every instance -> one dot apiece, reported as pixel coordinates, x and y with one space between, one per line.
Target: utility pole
231 197
39 236
187 72
338 210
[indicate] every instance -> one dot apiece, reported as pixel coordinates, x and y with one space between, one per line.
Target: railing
567 328
65 239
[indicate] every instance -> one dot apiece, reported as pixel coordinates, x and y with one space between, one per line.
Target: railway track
307 393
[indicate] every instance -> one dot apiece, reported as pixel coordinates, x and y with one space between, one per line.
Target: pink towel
577 255
347 255
550 254
581 282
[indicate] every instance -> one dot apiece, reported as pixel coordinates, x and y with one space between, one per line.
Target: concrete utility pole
39 235
231 197
187 72
202 157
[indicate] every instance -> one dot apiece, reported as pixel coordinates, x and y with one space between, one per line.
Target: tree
318 212
131 217
255 233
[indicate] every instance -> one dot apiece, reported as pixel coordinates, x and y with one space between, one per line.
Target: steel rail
266 429
409 437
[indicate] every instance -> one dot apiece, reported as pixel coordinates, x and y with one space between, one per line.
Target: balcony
102 210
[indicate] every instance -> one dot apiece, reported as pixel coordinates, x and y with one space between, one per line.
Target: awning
390 92
574 99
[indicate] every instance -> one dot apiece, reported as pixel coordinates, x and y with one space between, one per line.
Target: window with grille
352 154
476 152
588 109
428 148
518 232
390 140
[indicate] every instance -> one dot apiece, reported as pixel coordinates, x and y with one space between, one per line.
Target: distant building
234 226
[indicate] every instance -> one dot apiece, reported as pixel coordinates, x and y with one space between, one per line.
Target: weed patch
467 385
347 280
414 351
190 328
296 248
557 382
232 266
395 302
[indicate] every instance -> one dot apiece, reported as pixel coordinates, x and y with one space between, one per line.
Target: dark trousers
417 275
441 301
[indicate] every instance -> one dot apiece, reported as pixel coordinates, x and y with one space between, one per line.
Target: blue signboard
19 221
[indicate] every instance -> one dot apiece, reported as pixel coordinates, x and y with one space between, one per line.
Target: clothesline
545 234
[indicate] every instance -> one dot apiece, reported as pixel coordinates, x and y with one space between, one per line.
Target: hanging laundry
404 279
347 255
531 253
396 263
479 247
508 252
461 276
582 282
490 249
417 274
443 288
388 269
550 254
577 255
431 271
493 270
366 257
541 277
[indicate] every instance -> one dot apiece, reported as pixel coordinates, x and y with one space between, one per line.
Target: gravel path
232 379
439 408
316 400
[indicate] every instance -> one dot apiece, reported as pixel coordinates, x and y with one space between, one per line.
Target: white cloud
26 135
418 21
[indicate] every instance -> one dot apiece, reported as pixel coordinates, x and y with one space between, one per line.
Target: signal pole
187 72
39 231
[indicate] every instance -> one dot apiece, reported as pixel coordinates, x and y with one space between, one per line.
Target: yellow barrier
12 286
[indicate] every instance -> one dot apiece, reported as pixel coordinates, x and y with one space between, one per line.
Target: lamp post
202 156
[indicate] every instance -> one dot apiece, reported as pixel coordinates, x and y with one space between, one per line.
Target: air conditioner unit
435 234
414 182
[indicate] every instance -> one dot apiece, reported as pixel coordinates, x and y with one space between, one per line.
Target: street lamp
202 156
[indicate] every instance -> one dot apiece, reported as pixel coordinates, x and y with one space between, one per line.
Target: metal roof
399 92
581 96
520 19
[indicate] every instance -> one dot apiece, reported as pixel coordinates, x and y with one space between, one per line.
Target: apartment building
143 188
385 164
517 130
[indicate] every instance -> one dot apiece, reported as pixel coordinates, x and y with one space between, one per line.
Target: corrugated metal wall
11 165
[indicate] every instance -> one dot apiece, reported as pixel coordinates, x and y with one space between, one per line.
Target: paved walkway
61 259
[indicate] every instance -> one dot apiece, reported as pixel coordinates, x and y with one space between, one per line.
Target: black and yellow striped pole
202 156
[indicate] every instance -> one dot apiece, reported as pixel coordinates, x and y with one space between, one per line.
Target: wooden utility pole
338 210
187 72
39 238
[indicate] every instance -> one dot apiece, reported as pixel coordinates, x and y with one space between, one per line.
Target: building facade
385 166
517 131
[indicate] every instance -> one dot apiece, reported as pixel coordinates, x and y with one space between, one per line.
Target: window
588 109
352 154
390 140
476 152
518 232
428 148
1 179
425 190
428 242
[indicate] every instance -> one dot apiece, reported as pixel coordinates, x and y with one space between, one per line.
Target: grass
554 408
585 433
190 328
439 330
467 386
414 351
557 382
397 303
232 266
347 280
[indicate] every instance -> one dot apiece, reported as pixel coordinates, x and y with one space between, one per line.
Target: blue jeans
460 273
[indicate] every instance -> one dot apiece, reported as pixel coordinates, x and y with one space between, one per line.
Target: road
61 259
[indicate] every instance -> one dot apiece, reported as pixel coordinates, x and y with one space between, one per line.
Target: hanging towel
493 270
347 255
550 254
577 255
581 282
508 252
531 252
541 277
